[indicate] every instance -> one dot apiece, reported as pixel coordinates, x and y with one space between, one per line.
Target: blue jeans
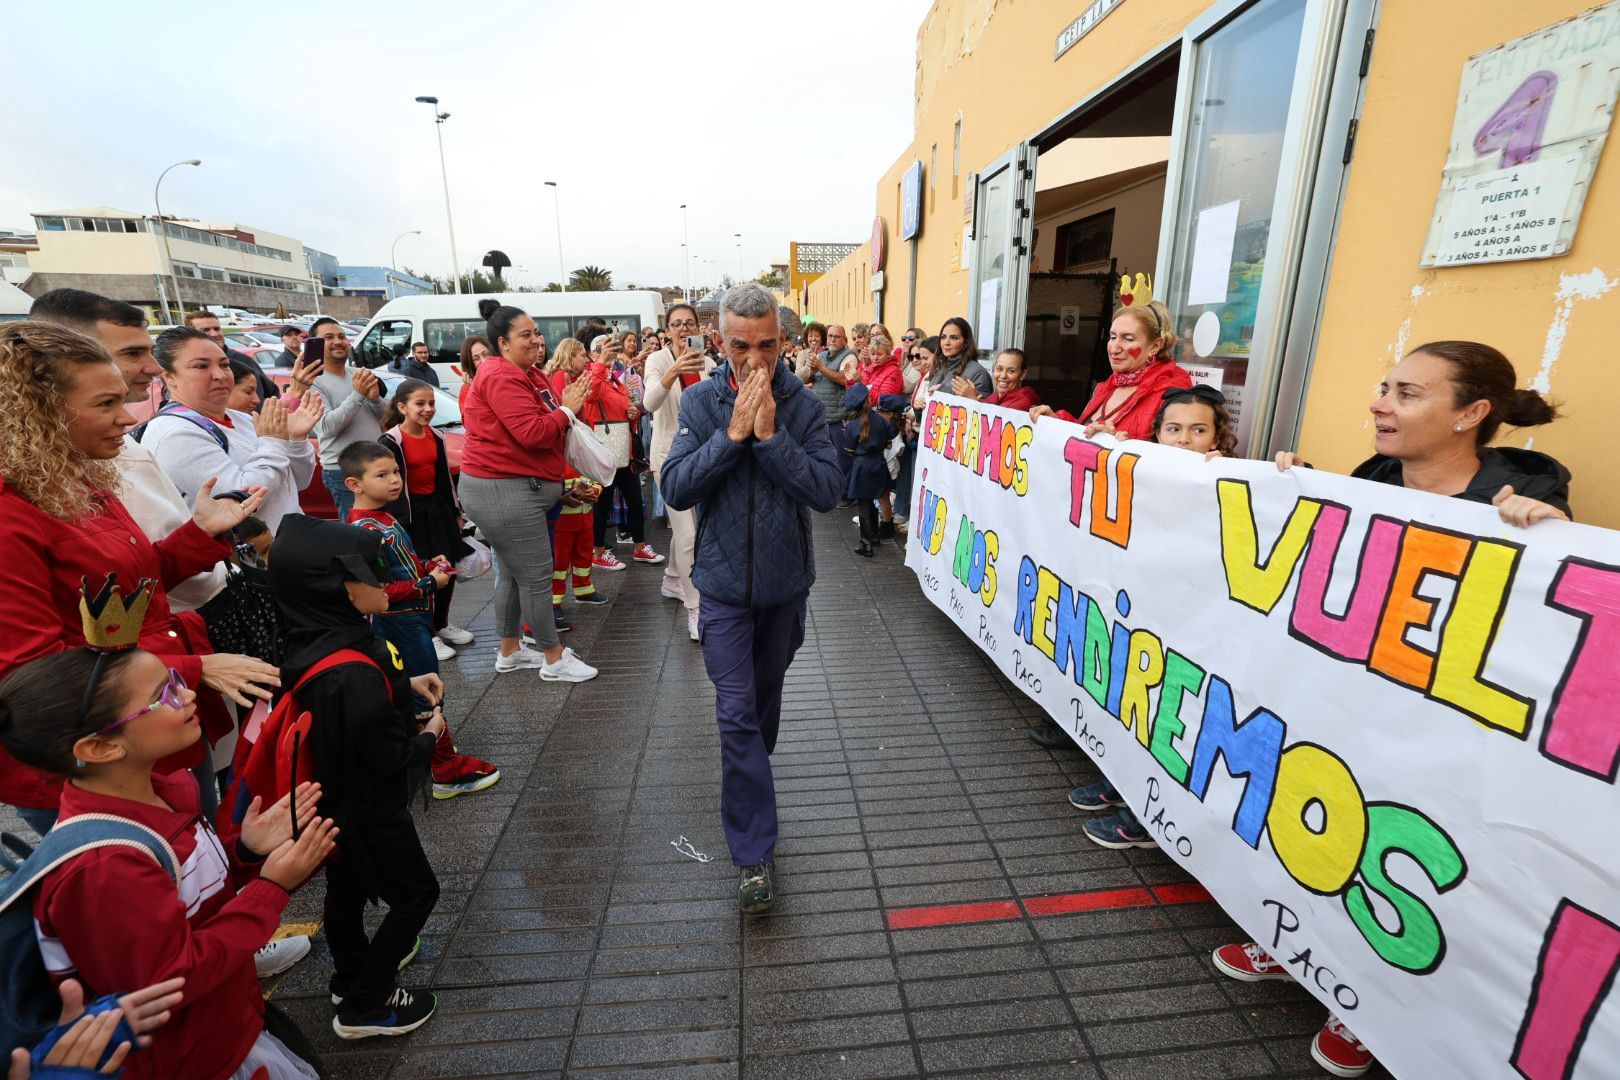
747 652
411 634
341 495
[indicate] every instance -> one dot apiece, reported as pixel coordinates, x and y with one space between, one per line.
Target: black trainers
756 888
339 993
1049 735
561 622
401 1014
886 530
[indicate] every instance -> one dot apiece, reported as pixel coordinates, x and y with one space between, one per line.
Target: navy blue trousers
747 652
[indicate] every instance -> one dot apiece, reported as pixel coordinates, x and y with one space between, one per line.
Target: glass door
1240 184
992 226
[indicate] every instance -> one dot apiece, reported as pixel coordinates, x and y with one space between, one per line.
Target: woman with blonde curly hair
62 422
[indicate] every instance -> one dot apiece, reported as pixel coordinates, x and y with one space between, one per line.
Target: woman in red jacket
1140 347
1008 377
112 917
512 467
880 369
610 413
62 422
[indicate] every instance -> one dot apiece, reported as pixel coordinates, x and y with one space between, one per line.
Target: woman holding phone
669 373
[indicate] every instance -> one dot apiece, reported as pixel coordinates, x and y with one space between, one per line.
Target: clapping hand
84 1044
291 864
574 394
219 516
964 388
271 420
268 830
301 421
366 384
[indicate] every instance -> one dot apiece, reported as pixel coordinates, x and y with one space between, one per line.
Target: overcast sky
772 121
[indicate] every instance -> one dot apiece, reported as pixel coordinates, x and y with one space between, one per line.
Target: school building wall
1556 319
988 65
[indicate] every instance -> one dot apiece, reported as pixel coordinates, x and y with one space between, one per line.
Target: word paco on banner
1381 727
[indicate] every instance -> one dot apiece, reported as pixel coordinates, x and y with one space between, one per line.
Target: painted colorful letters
1385 724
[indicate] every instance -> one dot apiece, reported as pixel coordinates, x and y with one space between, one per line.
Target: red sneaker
606 560
644 553
1338 1051
1248 963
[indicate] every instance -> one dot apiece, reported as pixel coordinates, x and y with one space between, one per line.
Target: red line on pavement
1039 906
951 914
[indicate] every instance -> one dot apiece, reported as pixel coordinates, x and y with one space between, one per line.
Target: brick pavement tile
676 986
819 974
970 989
957 938
679 932
969 962
991 1018
873 1062
491 970
799 1036
500 1026
687 1014
1210 1063
656 959
1165 971
562 918
509 996
803 1004
955 892
421 1062
996 1051
592 1051
1167 1032
1116 1004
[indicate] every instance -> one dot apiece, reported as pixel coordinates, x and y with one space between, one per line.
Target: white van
444 322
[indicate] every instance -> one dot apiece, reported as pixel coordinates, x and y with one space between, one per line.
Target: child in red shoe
371 472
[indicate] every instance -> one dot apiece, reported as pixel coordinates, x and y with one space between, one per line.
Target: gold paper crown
1139 295
112 624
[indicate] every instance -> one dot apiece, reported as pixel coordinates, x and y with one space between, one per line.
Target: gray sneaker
756 889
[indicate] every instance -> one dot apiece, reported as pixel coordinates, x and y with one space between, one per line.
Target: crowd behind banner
164 589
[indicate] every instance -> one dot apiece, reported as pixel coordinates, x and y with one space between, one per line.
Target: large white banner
1381 727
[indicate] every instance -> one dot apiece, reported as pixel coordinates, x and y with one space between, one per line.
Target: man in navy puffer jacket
753 456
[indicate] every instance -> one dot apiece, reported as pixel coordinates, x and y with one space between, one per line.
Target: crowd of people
171 611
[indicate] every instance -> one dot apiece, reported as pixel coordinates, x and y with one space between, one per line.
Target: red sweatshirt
1021 397
409 585
42 562
113 919
884 378
1134 420
515 427
607 402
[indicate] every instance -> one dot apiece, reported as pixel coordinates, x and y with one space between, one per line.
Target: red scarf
1131 378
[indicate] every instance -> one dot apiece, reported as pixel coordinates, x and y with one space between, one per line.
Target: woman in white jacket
195 436
669 371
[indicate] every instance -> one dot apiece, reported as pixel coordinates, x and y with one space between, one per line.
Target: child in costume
112 918
573 544
371 472
365 744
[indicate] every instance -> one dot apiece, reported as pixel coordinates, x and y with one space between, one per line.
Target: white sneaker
568 668
277 956
455 635
523 658
443 650
671 589
691 625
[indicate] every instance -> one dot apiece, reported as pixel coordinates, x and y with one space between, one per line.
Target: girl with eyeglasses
112 917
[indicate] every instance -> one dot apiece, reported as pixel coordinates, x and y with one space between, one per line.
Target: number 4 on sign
1517 127
1579 959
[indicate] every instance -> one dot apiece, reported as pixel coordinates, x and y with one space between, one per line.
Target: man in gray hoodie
354 409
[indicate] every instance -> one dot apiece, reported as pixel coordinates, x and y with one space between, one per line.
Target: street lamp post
686 252
444 175
164 229
393 258
556 209
739 258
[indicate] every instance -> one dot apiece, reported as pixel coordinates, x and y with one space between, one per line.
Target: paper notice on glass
1207 374
989 304
1212 254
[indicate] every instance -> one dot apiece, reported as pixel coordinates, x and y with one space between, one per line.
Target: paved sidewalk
573 938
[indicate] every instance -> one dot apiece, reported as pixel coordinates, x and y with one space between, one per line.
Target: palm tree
591 279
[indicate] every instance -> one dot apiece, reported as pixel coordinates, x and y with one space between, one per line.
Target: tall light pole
438 127
556 208
164 229
739 258
686 252
393 257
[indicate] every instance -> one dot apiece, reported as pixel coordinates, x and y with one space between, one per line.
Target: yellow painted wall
990 62
1380 303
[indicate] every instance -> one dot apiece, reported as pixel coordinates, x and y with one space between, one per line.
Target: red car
315 500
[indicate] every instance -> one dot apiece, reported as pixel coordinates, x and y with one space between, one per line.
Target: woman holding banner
1141 344
1433 420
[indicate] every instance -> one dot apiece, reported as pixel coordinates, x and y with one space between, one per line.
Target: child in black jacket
366 746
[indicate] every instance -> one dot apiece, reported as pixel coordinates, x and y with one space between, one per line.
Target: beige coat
664 405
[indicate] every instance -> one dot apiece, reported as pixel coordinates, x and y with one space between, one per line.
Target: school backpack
29 1003
280 757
